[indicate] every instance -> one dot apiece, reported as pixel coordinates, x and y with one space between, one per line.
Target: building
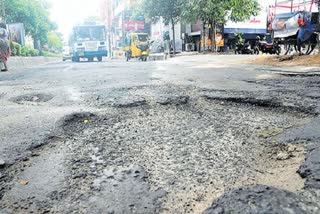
188 36
106 12
106 15
117 15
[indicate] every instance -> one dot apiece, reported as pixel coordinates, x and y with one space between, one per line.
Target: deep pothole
193 152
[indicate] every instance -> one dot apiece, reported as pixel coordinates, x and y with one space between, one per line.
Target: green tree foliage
169 10
54 41
33 14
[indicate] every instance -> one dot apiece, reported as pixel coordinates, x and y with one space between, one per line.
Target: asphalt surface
178 136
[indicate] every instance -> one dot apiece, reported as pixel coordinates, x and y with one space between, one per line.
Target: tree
169 10
55 41
218 12
34 15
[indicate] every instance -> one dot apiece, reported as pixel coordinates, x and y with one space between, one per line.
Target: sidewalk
15 63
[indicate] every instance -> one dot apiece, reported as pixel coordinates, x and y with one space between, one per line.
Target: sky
67 13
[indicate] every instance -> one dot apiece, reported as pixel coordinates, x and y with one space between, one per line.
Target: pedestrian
4 42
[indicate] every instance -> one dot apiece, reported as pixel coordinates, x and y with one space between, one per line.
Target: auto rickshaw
137 46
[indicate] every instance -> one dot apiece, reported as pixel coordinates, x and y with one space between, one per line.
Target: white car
66 53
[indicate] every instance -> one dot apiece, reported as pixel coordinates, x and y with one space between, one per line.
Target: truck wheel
90 59
75 59
99 58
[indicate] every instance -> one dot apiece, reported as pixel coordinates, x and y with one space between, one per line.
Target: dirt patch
310 60
288 160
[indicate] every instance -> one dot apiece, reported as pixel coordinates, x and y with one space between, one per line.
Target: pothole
139 97
193 152
283 100
172 100
75 123
126 159
256 199
32 98
306 74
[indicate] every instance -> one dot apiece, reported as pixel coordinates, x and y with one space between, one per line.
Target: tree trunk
173 37
37 44
213 35
109 44
202 36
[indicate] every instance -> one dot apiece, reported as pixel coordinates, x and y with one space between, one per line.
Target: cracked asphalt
195 134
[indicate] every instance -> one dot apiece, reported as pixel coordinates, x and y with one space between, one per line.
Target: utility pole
109 42
3 11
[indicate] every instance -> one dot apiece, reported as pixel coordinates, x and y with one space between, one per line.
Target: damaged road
181 136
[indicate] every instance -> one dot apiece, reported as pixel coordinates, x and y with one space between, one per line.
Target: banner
255 25
17 33
134 25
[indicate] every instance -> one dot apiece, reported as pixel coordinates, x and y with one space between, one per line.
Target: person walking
5 49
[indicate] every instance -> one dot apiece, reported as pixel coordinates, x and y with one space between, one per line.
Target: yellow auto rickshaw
137 46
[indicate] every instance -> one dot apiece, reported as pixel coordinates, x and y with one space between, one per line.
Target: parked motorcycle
243 48
267 47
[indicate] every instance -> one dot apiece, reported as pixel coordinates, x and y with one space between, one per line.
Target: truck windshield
143 38
90 33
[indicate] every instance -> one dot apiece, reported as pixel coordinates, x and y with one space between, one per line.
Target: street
159 137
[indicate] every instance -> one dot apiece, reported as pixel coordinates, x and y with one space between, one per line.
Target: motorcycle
243 49
267 47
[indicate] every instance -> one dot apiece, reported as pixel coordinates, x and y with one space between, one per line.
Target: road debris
24 183
283 156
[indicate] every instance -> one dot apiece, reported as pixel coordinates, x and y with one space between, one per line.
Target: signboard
255 25
219 36
17 33
134 25
219 40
